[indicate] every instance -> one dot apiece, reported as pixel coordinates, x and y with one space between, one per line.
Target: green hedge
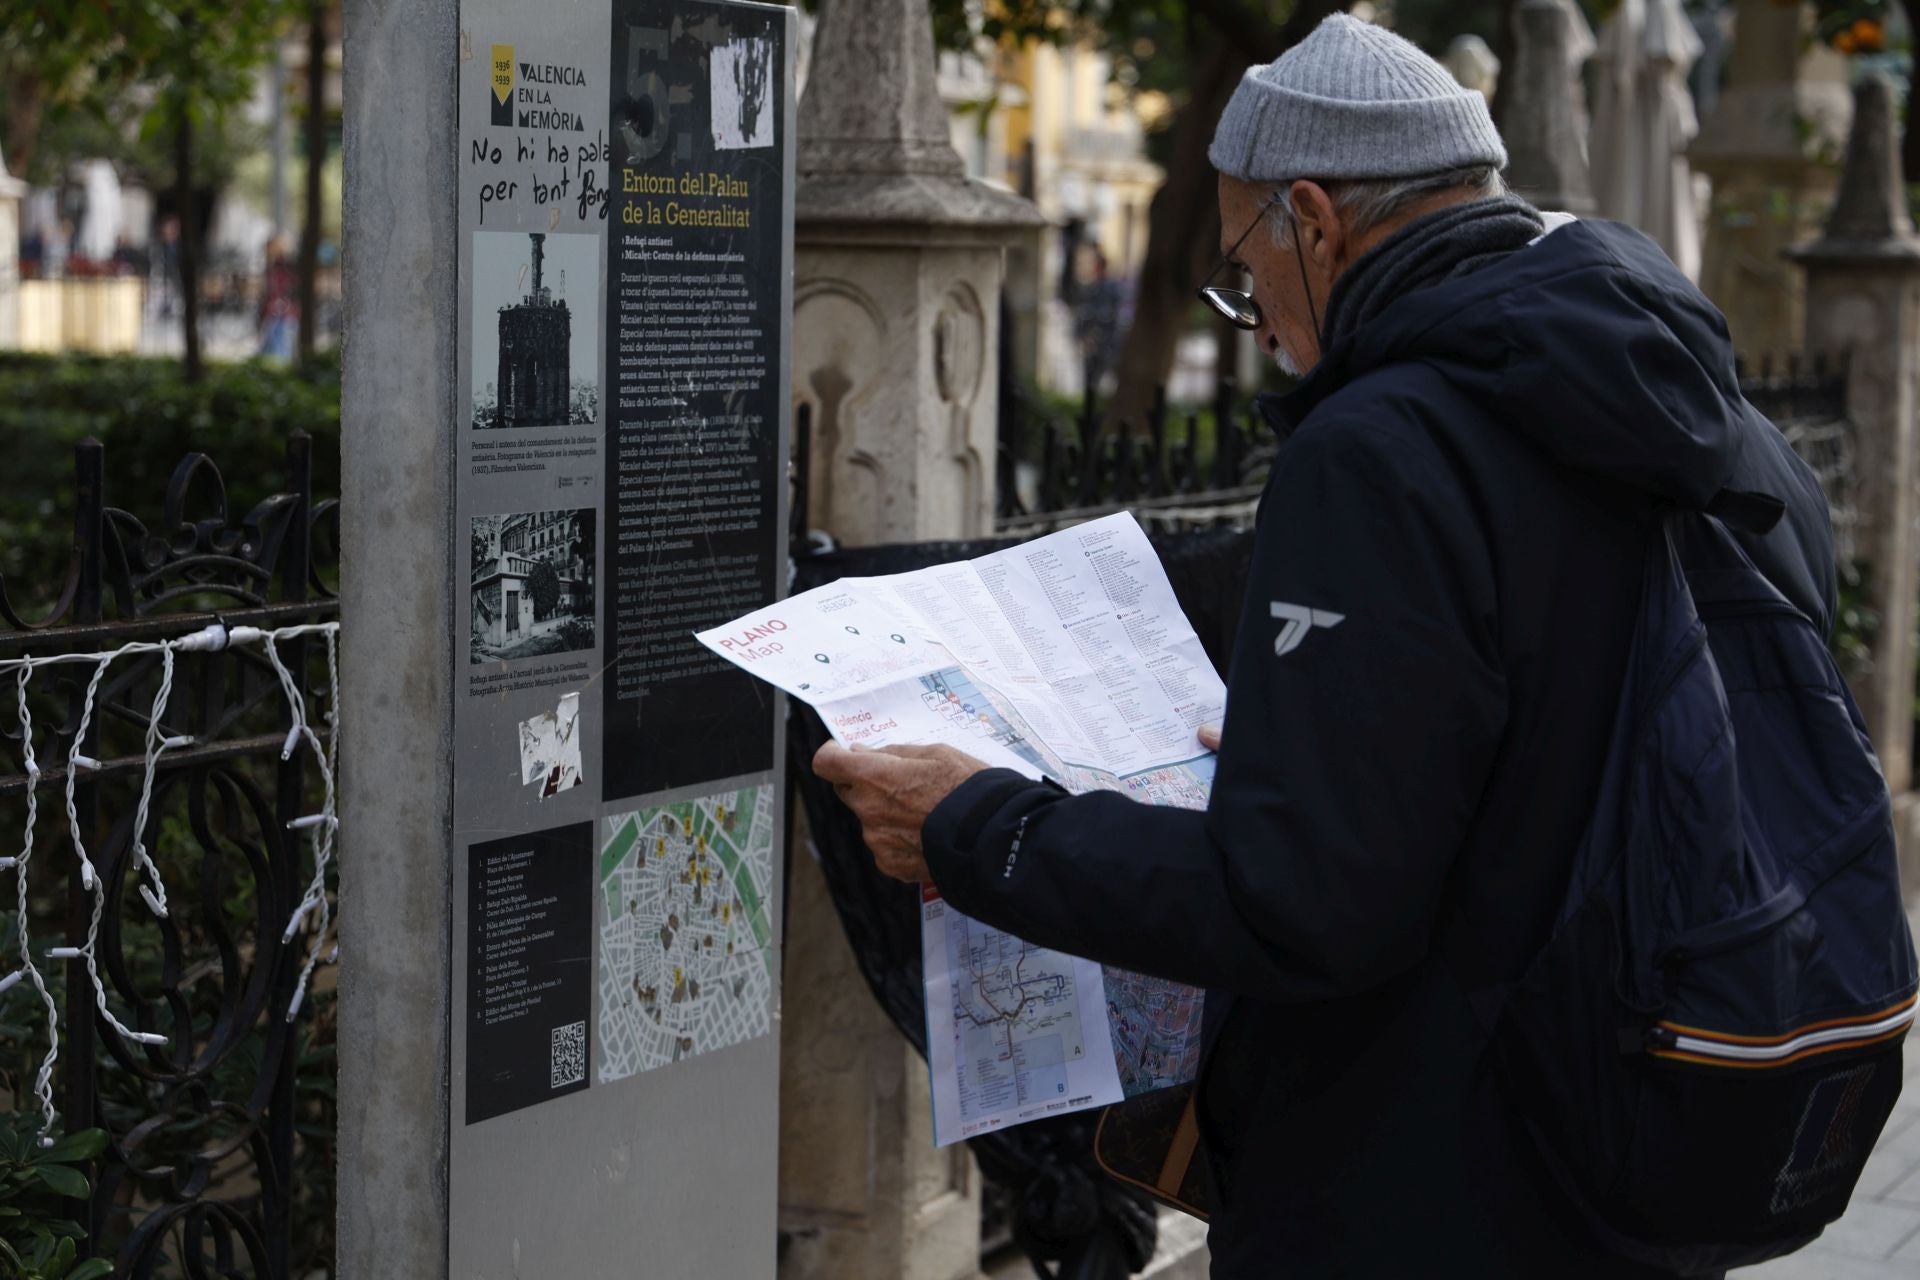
148 417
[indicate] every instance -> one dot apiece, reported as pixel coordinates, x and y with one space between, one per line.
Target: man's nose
1269 338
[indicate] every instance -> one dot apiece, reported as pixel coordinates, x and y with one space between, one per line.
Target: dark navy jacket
1468 484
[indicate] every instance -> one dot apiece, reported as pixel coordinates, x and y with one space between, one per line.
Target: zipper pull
1646 1039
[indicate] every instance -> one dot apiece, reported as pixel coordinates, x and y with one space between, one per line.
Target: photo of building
536 330
532 584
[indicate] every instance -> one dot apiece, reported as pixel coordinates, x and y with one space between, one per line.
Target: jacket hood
1591 343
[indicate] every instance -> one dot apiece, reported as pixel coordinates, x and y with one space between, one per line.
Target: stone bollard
898 275
1543 115
897 279
1863 307
1767 146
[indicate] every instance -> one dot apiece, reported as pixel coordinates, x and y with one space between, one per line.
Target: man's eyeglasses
1235 306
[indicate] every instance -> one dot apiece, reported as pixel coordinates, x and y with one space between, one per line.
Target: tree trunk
189 239
1184 214
26 104
316 141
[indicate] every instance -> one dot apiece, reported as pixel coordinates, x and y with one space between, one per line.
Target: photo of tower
533 383
535 329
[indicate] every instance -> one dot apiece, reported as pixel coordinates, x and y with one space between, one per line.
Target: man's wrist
951 838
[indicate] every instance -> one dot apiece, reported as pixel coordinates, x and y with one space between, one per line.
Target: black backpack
1706 1051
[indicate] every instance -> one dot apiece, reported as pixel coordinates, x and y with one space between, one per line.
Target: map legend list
529 969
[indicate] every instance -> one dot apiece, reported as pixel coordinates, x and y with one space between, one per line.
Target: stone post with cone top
899 262
1768 146
1863 308
900 259
1544 114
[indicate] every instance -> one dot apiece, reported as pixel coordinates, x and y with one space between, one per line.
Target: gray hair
1369 202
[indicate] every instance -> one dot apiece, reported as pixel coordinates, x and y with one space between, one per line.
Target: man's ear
1322 238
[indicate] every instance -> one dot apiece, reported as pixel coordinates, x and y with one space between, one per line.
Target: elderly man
1461 508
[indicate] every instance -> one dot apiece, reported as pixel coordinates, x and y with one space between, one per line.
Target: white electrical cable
153 891
322 825
43 1079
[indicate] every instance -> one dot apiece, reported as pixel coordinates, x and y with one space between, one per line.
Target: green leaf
76 1147
91 1269
61 1180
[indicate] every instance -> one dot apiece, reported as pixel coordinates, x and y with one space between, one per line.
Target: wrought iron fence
1188 470
220 1155
1807 400
1176 471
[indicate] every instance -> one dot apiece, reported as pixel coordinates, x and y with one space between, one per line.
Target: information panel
694 465
618 456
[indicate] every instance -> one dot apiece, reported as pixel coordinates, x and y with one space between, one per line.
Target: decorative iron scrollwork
198 1179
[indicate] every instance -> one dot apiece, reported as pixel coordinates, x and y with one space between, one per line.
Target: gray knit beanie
1353 100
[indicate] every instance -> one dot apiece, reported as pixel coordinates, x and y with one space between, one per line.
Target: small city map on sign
685 960
1016 1019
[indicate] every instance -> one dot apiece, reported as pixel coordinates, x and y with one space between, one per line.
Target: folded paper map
1066 657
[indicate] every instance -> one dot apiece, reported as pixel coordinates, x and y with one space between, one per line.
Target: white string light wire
43 1079
153 891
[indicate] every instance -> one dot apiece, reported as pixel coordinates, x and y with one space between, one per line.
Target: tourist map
686 965
1067 657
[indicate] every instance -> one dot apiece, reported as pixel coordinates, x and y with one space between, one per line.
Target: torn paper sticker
743 92
550 748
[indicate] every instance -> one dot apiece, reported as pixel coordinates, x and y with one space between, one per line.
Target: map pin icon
821 657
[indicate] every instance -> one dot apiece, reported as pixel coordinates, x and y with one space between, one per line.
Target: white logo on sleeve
1298 621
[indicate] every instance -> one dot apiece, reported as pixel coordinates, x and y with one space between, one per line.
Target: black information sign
696 264
529 969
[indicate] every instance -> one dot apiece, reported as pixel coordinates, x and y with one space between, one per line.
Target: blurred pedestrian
279 303
1099 319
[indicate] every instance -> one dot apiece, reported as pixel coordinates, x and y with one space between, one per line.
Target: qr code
569 1055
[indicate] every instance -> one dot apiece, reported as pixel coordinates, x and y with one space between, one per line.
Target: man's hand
1209 735
892 790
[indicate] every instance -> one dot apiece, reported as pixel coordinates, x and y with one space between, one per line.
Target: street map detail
1016 1019
685 962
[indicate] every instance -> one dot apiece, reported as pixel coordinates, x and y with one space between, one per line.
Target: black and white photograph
536 329
532 584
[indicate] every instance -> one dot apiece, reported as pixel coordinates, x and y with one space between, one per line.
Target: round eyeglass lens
1237 308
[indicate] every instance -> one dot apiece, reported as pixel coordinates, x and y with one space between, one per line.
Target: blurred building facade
1054 124
96 251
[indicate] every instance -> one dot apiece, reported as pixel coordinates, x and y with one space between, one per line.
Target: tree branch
1255 32
1306 15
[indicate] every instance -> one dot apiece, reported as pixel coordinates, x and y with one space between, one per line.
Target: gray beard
1286 363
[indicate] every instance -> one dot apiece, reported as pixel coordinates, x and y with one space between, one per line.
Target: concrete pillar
898 273
1863 307
1545 114
1769 146
396 803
